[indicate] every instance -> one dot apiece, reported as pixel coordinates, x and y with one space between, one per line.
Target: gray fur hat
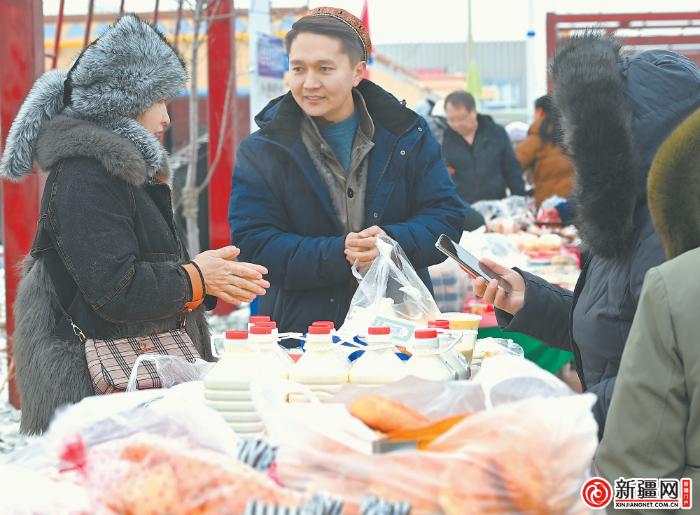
120 75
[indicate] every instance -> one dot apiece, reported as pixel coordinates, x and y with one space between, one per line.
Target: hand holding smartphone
469 263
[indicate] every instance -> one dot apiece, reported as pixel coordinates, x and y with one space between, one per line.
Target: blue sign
272 59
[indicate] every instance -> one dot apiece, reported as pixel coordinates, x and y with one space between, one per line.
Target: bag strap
78 332
182 319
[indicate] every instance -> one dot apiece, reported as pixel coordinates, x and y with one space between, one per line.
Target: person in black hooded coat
616 111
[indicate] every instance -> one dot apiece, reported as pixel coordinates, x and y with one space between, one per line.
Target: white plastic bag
390 293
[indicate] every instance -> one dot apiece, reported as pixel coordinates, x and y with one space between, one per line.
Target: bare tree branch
190 196
224 123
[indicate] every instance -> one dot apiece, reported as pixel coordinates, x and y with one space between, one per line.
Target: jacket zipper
172 217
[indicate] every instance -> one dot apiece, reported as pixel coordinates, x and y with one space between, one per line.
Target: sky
410 21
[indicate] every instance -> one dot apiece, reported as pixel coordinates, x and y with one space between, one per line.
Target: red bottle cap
256 329
271 325
440 324
323 324
259 318
425 334
236 335
319 330
379 330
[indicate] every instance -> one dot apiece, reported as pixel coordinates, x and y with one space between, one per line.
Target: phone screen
469 263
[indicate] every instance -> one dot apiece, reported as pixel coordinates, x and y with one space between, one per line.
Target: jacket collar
483 130
282 117
127 151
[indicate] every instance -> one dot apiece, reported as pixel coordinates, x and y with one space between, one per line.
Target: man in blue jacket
336 162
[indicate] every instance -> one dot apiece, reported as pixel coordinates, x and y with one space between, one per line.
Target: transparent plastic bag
392 290
172 370
493 246
178 412
451 286
489 347
146 473
510 207
526 450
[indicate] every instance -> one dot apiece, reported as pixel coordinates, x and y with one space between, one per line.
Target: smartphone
469 263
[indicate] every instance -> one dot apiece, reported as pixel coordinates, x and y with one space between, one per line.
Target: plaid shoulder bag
110 362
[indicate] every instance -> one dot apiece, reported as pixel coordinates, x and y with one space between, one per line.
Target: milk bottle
256 319
453 357
227 385
277 347
343 352
426 362
270 357
379 364
319 368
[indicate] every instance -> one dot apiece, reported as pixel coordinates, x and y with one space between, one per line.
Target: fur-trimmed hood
120 75
616 111
674 189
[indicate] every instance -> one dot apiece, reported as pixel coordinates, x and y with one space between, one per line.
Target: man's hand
492 294
362 245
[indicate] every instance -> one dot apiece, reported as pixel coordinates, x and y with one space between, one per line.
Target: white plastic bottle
320 368
453 357
379 364
269 355
227 385
284 356
255 319
426 362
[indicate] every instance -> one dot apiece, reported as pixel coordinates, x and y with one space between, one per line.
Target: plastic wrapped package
178 412
494 246
145 474
507 215
525 418
509 207
451 285
390 293
489 347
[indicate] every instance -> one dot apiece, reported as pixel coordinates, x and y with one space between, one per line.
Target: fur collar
674 189
596 123
127 150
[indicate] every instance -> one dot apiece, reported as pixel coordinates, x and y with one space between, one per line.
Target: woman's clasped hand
228 279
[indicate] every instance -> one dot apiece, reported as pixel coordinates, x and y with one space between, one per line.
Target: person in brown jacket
550 170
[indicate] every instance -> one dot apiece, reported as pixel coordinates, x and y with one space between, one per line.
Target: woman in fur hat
106 250
616 111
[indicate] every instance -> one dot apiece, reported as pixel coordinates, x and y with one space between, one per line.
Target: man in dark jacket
336 162
616 111
480 152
